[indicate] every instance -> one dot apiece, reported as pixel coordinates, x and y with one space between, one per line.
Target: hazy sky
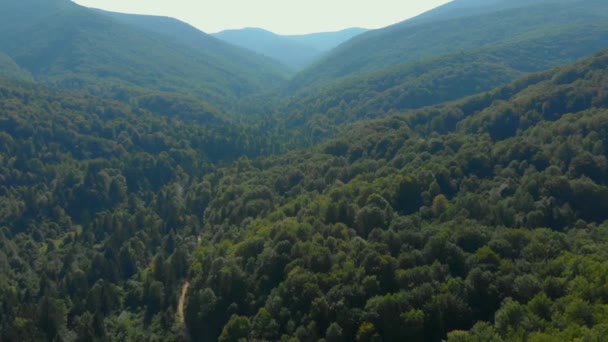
280 16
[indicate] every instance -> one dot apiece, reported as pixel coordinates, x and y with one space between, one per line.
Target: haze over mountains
441 179
417 39
295 51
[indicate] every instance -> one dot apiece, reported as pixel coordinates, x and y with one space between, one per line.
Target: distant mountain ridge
470 25
71 46
440 79
294 51
429 60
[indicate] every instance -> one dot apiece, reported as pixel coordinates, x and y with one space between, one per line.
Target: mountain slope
439 79
401 229
70 164
194 38
465 8
295 51
415 40
483 219
76 47
10 69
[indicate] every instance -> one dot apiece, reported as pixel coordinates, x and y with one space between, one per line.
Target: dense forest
469 221
93 190
158 184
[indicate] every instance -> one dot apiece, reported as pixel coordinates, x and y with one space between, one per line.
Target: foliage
401 230
101 203
10 69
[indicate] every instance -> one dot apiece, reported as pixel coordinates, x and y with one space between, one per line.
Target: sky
279 16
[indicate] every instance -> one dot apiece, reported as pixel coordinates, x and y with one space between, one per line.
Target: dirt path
179 315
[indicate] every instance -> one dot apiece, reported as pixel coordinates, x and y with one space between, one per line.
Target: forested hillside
482 220
226 55
517 38
318 113
10 69
415 40
70 46
92 191
422 183
467 8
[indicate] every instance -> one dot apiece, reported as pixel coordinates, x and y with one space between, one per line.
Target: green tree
334 333
237 329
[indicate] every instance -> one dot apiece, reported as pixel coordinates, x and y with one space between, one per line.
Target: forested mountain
233 58
295 51
481 220
495 24
318 113
10 69
151 189
61 43
467 8
91 191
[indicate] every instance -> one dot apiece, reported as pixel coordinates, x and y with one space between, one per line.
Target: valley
441 179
